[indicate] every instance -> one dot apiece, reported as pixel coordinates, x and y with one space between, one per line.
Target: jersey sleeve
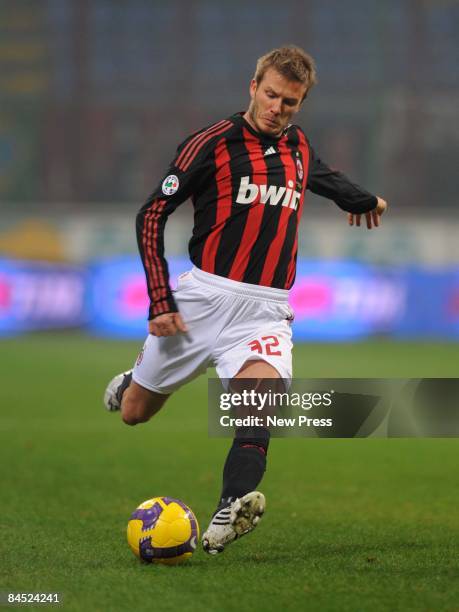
178 183
336 186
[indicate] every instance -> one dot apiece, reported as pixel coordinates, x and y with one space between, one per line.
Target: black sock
123 386
244 466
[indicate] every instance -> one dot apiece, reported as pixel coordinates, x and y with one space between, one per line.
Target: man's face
274 102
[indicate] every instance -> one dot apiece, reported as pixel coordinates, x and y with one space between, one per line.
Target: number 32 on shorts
265 345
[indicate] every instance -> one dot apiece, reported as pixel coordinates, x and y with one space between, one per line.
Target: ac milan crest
140 357
299 168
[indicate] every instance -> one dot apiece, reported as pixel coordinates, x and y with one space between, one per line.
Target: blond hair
291 62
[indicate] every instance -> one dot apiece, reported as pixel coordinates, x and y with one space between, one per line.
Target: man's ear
252 88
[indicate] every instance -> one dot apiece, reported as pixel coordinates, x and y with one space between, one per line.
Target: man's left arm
349 196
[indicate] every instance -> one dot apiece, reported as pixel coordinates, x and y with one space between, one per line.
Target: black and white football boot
115 389
233 521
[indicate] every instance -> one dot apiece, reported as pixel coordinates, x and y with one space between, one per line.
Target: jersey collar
238 118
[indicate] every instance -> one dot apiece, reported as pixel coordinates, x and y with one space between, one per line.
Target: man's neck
248 117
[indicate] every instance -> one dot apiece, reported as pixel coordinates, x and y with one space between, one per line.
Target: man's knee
139 404
257 368
133 413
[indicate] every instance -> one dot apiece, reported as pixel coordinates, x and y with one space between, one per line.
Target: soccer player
246 176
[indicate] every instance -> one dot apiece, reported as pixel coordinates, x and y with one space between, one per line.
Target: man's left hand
373 218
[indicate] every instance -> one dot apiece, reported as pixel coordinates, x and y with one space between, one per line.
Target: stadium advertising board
40 296
332 300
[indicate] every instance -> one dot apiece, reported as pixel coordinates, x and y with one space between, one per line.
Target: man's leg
241 506
136 403
246 460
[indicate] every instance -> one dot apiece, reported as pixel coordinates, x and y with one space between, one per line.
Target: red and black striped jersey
247 190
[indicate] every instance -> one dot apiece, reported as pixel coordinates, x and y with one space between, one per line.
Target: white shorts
229 323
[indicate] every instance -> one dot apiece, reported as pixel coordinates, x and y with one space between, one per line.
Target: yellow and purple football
163 530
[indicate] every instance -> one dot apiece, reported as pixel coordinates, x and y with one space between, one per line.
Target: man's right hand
167 325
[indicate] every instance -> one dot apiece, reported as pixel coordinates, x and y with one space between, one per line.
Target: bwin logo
248 193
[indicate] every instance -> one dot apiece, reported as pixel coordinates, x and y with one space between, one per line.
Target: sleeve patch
170 185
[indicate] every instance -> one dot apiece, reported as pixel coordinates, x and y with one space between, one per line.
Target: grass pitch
350 525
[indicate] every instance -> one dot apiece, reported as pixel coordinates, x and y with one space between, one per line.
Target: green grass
356 525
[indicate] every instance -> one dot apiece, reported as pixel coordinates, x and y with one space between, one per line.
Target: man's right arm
175 187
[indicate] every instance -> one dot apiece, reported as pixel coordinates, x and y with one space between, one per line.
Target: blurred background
95 96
